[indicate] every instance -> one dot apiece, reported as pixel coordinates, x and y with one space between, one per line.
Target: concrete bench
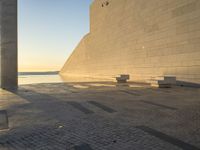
163 81
122 78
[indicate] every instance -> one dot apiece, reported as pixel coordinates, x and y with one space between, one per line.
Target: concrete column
8 44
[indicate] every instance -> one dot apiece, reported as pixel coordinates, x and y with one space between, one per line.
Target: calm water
34 79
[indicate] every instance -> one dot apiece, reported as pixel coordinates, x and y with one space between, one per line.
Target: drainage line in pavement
130 93
105 108
80 107
160 105
167 138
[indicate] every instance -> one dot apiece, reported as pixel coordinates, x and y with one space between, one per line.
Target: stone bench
163 81
122 78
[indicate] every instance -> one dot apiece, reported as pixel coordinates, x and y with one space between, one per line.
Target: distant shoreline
38 73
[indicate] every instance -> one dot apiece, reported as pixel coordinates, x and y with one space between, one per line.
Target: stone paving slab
46 120
103 137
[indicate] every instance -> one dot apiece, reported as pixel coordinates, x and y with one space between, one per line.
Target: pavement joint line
103 107
80 107
160 105
181 144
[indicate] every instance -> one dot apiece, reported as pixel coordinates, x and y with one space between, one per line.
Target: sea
38 77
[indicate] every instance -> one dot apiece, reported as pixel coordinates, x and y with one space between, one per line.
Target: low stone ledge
122 78
3 120
163 81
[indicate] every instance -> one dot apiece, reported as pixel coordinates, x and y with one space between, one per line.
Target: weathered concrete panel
8 44
141 38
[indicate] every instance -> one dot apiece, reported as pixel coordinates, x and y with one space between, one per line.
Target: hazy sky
49 30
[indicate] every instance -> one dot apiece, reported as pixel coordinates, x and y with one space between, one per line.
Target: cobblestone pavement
101 116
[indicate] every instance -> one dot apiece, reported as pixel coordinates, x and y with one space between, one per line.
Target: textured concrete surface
8 44
101 116
141 38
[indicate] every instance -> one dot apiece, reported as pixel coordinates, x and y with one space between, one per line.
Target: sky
48 32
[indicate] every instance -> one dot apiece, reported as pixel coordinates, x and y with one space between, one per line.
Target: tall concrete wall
8 44
141 38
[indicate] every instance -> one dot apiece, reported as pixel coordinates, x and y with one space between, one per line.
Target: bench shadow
187 84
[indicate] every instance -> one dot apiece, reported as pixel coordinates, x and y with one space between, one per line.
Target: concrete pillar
8 44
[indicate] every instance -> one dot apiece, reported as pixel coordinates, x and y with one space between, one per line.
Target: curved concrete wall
141 38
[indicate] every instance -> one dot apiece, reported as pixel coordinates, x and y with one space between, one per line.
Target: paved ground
101 116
